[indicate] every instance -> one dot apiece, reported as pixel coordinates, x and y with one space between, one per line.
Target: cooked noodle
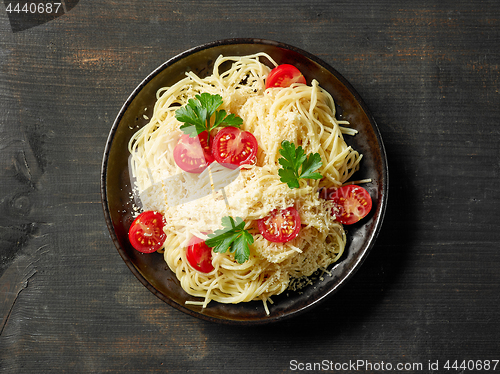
302 114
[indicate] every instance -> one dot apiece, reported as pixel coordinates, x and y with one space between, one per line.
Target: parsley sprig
297 165
197 114
232 237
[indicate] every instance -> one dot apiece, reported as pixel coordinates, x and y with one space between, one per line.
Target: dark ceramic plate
151 270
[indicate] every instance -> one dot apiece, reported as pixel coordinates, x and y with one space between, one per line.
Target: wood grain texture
429 72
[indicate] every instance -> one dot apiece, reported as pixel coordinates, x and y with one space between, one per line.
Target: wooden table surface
427 295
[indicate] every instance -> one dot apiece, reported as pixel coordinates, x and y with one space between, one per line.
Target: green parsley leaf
221 119
194 118
197 113
232 237
297 165
240 246
209 102
310 165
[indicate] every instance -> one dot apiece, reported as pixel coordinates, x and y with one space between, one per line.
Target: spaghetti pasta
302 114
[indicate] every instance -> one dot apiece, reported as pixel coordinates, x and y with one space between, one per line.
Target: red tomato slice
235 147
352 203
284 76
146 232
280 226
193 154
199 255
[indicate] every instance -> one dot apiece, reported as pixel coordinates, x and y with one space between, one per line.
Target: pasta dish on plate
241 180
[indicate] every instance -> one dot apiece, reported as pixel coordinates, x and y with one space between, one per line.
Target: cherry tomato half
281 225
352 203
193 154
235 147
199 255
146 232
284 76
